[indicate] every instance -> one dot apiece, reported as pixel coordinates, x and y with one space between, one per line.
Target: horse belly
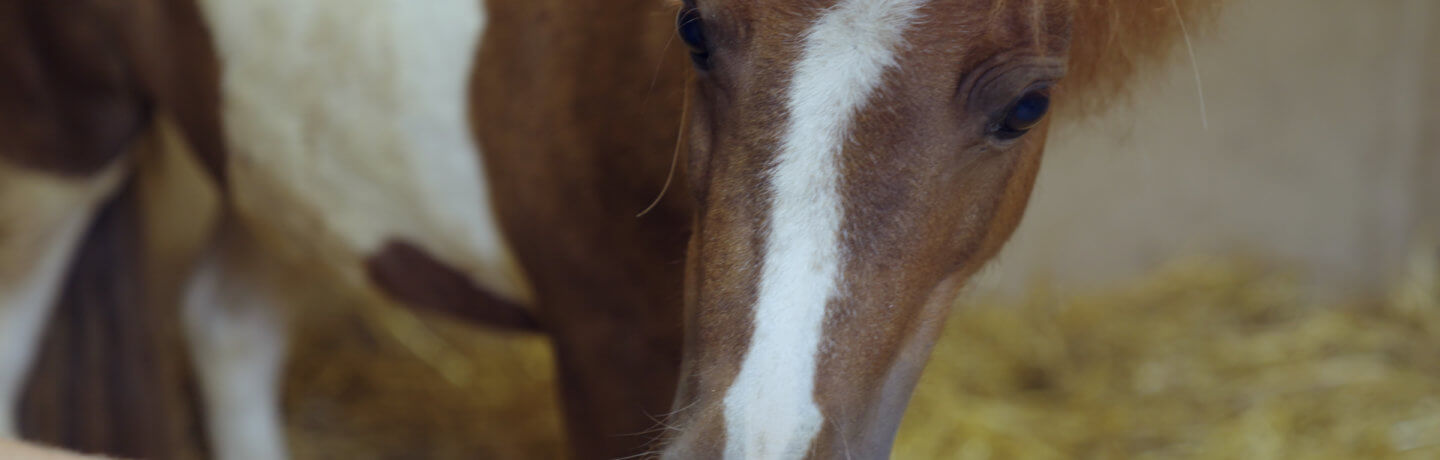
348 128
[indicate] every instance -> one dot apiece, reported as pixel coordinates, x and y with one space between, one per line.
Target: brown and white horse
845 166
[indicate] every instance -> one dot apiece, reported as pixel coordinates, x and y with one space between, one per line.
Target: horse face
853 162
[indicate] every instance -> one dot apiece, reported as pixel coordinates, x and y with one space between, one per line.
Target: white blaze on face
770 409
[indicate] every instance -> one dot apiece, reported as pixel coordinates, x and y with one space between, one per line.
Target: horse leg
237 334
42 219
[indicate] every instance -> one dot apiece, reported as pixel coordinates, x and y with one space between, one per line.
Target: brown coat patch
411 276
576 108
69 99
174 56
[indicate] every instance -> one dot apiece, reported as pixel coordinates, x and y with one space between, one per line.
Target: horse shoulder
348 131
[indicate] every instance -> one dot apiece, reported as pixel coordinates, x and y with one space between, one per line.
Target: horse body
347 126
844 166
351 135
43 218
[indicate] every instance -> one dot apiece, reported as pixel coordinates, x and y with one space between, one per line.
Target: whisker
674 159
682 409
639 455
1194 65
655 76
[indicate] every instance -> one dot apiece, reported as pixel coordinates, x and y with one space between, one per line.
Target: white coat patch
348 122
770 409
43 217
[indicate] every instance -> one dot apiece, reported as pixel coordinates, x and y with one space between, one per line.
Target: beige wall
1428 172
1321 153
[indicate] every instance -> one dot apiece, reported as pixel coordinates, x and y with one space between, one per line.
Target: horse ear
1112 41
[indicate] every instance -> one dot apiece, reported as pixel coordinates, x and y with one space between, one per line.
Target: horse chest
347 123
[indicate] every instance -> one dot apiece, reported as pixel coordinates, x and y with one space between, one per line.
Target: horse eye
691 28
1023 115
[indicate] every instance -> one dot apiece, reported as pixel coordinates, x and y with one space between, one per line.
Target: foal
844 166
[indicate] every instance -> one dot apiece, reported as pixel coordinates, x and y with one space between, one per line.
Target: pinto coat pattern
843 167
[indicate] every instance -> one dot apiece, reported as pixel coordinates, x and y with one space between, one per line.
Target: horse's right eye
691 28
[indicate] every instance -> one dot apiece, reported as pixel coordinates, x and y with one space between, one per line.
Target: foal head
853 162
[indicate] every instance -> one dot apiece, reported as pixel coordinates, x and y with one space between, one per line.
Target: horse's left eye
691 28
1024 114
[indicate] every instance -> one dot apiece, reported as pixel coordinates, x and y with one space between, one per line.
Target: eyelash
690 27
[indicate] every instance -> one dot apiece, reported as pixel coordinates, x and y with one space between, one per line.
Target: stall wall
1318 151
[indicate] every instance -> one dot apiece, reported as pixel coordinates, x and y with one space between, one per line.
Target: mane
1113 41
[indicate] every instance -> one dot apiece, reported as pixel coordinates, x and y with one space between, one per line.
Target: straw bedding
1203 359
